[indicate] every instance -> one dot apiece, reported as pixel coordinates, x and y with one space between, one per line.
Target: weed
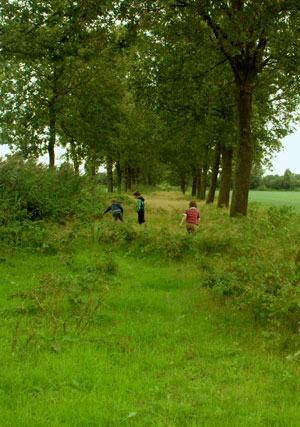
59 309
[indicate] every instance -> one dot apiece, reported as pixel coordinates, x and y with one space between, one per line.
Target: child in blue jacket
117 210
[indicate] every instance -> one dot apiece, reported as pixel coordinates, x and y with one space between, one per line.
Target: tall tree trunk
199 179
183 184
93 169
194 185
244 155
52 132
109 169
76 167
149 179
74 156
119 175
128 179
204 181
133 176
90 164
138 175
214 175
225 183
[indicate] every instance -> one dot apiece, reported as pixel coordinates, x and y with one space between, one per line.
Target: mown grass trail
164 352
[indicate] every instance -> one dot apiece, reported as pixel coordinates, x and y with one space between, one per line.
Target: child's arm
107 210
138 205
182 220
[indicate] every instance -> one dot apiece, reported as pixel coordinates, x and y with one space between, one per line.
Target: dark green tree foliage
257 173
93 111
170 79
48 44
175 80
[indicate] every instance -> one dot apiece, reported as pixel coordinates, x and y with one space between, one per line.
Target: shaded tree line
287 181
194 91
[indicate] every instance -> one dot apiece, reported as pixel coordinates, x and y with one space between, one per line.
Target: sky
288 158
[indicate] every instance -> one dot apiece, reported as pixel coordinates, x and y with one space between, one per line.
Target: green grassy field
276 198
162 349
164 353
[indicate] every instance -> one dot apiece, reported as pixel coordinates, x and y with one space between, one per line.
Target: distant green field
276 198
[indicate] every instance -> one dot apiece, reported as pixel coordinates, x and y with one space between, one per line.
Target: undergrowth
251 260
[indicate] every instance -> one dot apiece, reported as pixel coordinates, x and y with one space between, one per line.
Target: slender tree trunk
90 164
138 175
214 175
194 185
128 179
74 157
199 179
52 132
244 155
183 184
119 176
149 179
204 181
109 169
133 176
76 167
224 192
93 169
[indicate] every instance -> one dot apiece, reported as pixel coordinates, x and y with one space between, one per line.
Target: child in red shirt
191 216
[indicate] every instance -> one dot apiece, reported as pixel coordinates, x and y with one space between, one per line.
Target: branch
258 54
180 3
220 36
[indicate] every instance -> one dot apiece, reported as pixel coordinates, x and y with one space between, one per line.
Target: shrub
34 192
60 309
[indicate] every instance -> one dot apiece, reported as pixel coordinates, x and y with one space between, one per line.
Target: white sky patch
289 156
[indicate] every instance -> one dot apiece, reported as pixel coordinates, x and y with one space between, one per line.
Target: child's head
114 201
193 204
136 194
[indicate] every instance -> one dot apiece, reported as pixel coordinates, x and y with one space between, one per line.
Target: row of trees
194 87
287 181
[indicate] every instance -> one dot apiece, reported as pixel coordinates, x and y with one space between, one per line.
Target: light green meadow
276 198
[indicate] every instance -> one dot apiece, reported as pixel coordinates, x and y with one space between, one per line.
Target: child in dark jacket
140 207
117 210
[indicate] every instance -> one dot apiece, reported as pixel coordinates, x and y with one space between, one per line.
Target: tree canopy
179 90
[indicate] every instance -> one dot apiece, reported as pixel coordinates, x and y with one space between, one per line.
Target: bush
32 196
35 192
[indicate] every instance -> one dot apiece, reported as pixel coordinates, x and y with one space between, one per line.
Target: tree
288 180
48 42
257 173
255 40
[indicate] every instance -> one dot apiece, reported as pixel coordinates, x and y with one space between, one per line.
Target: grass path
168 353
